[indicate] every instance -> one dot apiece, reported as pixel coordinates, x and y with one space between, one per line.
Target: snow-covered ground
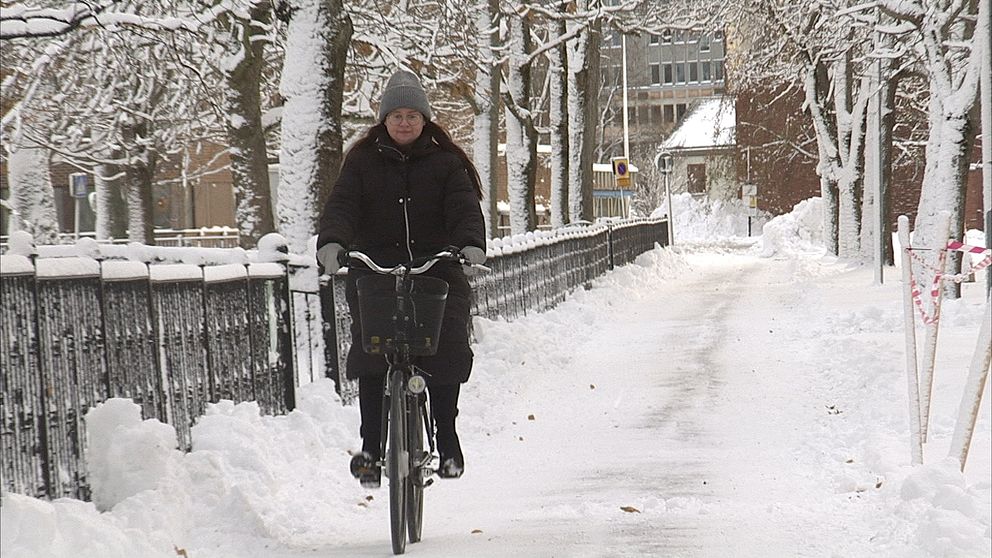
732 396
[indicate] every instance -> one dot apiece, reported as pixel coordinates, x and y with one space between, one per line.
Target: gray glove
474 255
327 256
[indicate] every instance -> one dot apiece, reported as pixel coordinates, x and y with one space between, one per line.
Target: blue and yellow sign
621 172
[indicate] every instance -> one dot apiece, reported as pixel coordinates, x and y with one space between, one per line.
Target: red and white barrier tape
934 290
938 271
957 247
962 247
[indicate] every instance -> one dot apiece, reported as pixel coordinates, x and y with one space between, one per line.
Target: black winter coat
397 206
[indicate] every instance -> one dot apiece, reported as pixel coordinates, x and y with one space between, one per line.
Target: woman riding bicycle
406 191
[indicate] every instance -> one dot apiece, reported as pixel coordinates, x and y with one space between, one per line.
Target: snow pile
797 232
126 455
701 221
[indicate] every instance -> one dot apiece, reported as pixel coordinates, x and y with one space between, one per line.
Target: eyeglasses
412 118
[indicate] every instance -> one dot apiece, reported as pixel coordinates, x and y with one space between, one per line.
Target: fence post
930 340
974 387
288 341
44 451
916 440
329 329
211 381
165 387
609 246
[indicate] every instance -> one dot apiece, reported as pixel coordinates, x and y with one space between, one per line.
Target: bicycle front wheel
415 485
398 461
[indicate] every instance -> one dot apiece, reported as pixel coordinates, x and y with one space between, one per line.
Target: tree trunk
521 135
111 204
558 69
945 182
249 160
313 86
583 110
31 194
486 121
138 179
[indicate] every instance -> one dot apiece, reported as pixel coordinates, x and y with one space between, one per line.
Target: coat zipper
403 201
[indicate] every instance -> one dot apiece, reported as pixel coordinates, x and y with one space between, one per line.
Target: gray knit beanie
404 91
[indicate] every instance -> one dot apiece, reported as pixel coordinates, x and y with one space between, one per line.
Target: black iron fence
76 331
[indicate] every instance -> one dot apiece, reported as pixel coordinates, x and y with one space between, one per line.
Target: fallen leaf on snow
630 509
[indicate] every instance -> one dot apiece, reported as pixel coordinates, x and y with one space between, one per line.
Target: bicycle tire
415 492
398 461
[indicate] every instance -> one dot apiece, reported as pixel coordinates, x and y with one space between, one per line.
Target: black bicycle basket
383 330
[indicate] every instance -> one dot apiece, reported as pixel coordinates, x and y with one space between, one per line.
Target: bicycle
401 313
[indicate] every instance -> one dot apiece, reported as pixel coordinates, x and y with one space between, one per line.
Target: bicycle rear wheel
415 492
398 461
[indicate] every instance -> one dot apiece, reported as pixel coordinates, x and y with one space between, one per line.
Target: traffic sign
664 162
621 171
749 194
79 184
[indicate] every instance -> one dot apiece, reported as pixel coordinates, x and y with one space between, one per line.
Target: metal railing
171 342
77 331
205 237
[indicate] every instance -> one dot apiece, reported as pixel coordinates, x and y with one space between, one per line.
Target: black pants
444 408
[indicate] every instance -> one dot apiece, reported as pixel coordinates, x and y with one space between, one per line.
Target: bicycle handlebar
414 267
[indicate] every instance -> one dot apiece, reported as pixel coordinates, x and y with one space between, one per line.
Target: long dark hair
440 136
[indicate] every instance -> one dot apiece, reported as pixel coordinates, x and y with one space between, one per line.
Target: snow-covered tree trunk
242 67
849 111
815 89
558 70
521 135
486 120
583 110
31 195
313 85
138 175
111 205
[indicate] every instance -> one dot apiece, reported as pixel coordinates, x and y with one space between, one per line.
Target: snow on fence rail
176 328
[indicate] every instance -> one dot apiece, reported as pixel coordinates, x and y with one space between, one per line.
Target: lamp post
664 162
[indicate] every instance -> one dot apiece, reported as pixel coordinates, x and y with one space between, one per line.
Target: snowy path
693 404
650 416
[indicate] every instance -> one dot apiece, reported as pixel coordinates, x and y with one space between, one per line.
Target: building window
643 116
617 39
693 72
631 114
655 74
653 39
679 36
666 37
656 114
704 43
679 111
706 71
717 70
680 73
696 179
669 114
668 73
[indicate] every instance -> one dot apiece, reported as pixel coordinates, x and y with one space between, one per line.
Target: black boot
365 468
444 405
